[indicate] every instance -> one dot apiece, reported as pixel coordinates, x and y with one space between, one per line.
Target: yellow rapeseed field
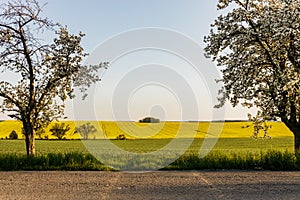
135 130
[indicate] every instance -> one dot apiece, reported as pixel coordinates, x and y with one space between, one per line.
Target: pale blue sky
126 92
101 19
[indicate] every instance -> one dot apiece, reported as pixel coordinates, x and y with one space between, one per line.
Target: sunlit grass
150 145
216 160
51 161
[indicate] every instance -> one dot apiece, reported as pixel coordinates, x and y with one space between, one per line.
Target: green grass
155 145
42 146
51 161
150 145
123 154
270 160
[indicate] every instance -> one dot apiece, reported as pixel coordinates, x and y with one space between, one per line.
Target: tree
257 46
60 130
85 130
149 120
13 135
47 73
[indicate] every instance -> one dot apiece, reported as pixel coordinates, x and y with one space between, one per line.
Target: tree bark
30 145
295 128
297 142
29 139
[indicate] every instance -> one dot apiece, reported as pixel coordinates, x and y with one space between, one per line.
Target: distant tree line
149 120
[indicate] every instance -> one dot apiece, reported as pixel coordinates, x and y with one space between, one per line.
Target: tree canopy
149 120
60 130
257 46
85 130
47 73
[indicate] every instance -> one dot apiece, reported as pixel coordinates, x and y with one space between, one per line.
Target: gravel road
150 185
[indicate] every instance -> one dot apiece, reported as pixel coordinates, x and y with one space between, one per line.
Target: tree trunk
297 142
29 139
296 131
30 145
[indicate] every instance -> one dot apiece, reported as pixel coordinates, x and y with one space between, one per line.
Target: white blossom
257 46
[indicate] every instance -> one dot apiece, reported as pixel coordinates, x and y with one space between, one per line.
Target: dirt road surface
150 185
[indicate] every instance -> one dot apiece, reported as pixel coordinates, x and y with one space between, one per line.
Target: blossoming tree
47 73
257 46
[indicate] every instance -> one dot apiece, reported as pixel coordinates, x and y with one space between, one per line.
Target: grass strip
51 161
270 160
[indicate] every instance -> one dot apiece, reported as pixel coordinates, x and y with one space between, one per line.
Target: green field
151 146
145 138
151 154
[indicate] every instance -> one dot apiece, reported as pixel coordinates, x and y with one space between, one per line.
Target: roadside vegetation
51 161
216 160
270 160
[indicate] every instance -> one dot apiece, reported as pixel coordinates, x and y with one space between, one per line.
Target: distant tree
85 130
149 120
257 46
13 135
60 130
47 73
